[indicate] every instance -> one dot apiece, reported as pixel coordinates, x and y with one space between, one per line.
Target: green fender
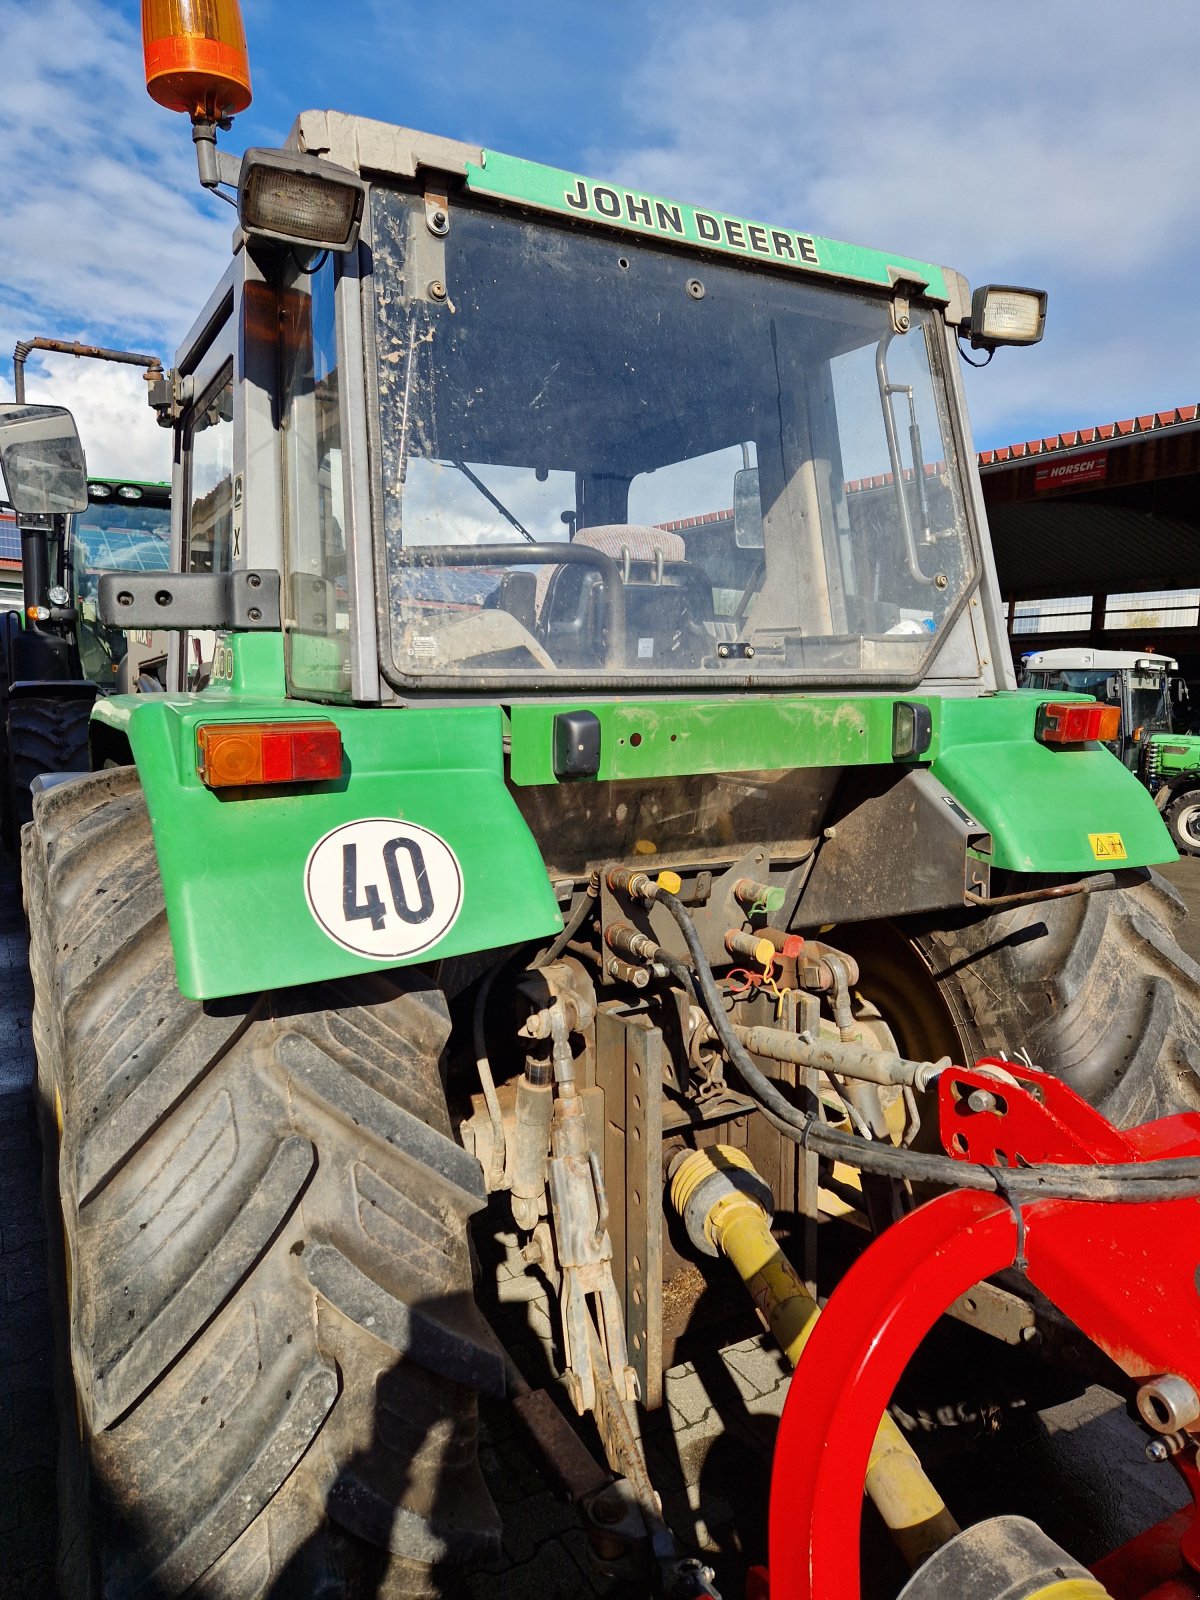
236 870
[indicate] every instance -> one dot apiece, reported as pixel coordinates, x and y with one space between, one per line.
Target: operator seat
668 601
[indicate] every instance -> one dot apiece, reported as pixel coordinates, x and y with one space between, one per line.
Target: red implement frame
1126 1274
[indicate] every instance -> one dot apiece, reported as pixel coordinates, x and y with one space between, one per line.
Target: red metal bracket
1124 1273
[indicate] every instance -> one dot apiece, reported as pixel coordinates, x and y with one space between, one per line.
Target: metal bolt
749 651
902 322
439 220
981 1100
253 579
1031 1336
607 1510
941 581
124 598
437 289
1156 1450
254 614
722 650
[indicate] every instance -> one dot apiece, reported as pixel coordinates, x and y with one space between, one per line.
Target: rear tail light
234 754
1062 722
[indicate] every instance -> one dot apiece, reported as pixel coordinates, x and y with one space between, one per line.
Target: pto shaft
726 1208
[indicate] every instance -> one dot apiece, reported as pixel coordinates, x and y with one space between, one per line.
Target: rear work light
235 754
299 199
1061 722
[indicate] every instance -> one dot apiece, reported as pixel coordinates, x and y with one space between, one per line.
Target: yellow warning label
1108 846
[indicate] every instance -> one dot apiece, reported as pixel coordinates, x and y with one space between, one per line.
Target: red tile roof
1085 436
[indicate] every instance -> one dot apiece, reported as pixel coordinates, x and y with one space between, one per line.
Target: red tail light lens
1061 722
233 754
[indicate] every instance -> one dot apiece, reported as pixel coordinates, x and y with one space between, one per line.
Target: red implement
1125 1273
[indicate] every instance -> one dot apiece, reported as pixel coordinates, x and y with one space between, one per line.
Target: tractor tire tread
273 1335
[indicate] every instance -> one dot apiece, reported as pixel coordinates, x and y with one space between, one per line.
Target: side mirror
747 510
41 460
1112 691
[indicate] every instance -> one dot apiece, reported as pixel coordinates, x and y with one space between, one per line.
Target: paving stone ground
1078 1469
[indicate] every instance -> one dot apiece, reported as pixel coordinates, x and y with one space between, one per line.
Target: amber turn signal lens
1061 722
196 58
234 754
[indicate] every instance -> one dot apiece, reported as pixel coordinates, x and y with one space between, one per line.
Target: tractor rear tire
45 734
275 1349
1093 986
1098 992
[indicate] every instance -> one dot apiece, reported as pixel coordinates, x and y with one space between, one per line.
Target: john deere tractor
590 776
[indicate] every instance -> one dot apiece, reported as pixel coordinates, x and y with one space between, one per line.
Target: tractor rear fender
252 904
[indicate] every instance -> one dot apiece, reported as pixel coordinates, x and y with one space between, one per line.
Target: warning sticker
384 889
1107 846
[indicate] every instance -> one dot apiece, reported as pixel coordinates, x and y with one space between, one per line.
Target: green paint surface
1177 752
617 206
233 861
664 738
1042 802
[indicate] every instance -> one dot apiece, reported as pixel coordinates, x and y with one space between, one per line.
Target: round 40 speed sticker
382 888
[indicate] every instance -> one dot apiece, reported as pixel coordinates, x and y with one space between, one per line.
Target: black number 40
372 905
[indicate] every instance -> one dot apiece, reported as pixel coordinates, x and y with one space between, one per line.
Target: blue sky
1020 142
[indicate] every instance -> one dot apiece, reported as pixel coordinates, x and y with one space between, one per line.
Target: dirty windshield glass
605 459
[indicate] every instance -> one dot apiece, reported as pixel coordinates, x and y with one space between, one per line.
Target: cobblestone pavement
1077 1469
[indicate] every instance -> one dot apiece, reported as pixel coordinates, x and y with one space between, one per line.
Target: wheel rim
895 979
1187 824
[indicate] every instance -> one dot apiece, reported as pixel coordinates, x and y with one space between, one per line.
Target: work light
299 199
1001 314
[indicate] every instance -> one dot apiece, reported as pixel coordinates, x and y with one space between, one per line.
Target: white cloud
106 237
1025 143
120 435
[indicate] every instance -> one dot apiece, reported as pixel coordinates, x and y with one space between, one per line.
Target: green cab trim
617 206
234 862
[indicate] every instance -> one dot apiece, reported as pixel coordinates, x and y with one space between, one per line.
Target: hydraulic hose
1128 1182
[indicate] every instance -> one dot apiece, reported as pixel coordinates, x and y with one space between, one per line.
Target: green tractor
589 738
56 655
1156 740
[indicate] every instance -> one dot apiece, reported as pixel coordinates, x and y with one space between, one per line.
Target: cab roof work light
298 199
196 58
1067 722
233 755
197 63
1002 314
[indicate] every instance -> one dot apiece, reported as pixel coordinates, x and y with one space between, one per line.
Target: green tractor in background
1156 739
585 643
55 654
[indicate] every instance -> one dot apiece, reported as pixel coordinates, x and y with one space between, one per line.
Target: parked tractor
1155 739
590 777
55 655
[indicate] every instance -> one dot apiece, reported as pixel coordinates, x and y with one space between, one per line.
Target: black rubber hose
1128 1182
